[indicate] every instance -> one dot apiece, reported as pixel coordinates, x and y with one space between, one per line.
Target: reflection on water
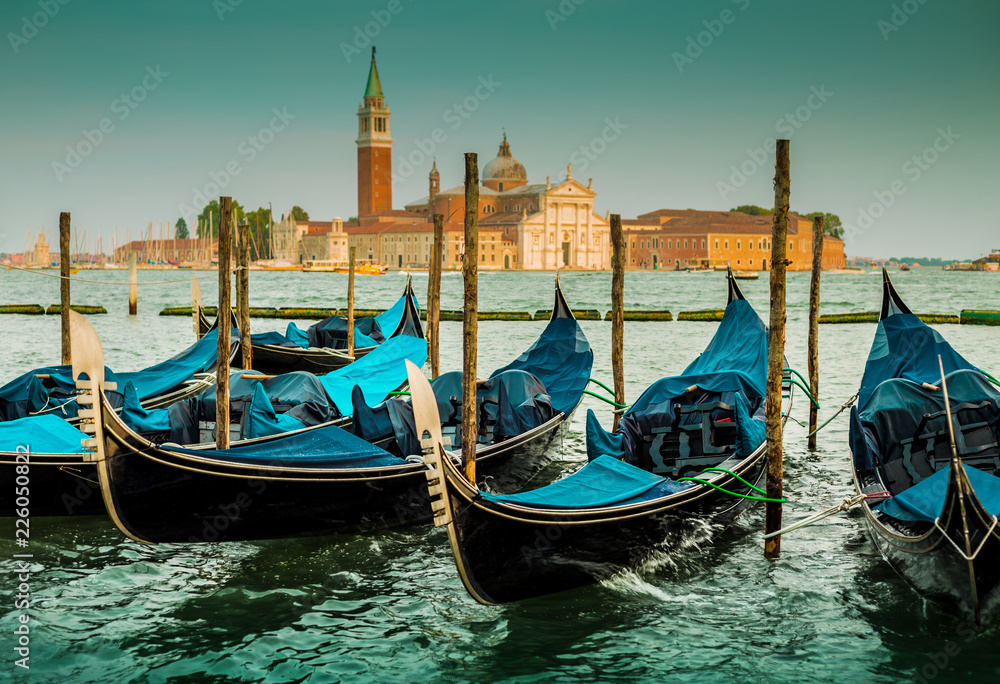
390 606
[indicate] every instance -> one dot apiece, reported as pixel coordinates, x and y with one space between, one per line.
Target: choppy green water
390 607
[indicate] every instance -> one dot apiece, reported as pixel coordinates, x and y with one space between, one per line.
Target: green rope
732 474
792 370
726 491
991 378
605 399
804 389
598 382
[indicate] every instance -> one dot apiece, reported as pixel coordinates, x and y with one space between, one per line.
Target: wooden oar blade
428 422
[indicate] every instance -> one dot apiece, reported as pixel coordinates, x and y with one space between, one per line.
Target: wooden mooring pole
133 286
64 263
776 349
434 297
224 325
618 311
243 293
350 302
470 324
813 360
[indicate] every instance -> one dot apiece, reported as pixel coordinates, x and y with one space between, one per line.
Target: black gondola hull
58 485
506 555
156 495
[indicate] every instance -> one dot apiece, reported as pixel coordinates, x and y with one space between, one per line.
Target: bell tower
374 149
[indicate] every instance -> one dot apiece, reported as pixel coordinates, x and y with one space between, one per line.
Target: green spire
374 88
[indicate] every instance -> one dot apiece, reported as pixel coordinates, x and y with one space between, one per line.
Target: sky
131 112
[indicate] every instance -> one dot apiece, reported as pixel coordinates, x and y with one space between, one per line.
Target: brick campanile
374 149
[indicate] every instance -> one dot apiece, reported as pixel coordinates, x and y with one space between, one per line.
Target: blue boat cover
27 395
331 332
562 359
297 335
40 435
163 377
603 482
139 419
904 347
732 370
735 360
380 371
924 501
389 320
323 447
261 420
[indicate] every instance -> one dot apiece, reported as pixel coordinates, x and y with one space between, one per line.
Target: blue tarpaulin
603 482
28 394
163 377
139 419
262 421
924 501
378 372
562 359
731 371
329 447
735 360
368 332
904 347
41 435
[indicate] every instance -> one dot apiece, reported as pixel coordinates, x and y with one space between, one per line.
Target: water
390 607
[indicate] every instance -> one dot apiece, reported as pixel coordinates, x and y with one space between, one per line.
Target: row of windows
657 243
380 125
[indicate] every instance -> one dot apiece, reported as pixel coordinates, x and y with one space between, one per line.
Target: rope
839 508
990 377
847 404
606 400
792 370
726 491
601 384
804 389
113 282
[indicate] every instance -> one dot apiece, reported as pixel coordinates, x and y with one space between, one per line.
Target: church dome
504 167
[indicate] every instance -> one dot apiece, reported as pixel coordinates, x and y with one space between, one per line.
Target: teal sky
558 72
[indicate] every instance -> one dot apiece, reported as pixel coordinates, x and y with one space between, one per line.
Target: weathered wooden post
618 311
64 263
224 325
133 286
434 297
470 324
776 349
243 294
350 303
196 306
814 326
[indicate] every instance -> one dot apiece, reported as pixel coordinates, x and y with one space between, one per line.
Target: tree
208 219
831 223
753 210
181 229
299 214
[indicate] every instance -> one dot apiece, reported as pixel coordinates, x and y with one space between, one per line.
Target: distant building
684 238
183 251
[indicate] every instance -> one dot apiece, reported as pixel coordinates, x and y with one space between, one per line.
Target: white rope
115 282
847 404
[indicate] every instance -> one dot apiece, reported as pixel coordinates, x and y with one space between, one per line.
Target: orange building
374 149
676 239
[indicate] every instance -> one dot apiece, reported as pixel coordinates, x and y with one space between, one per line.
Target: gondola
315 481
612 515
931 511
63 481
310 350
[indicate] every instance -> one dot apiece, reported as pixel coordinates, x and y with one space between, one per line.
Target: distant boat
360 268
700 270
746 275
904 267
